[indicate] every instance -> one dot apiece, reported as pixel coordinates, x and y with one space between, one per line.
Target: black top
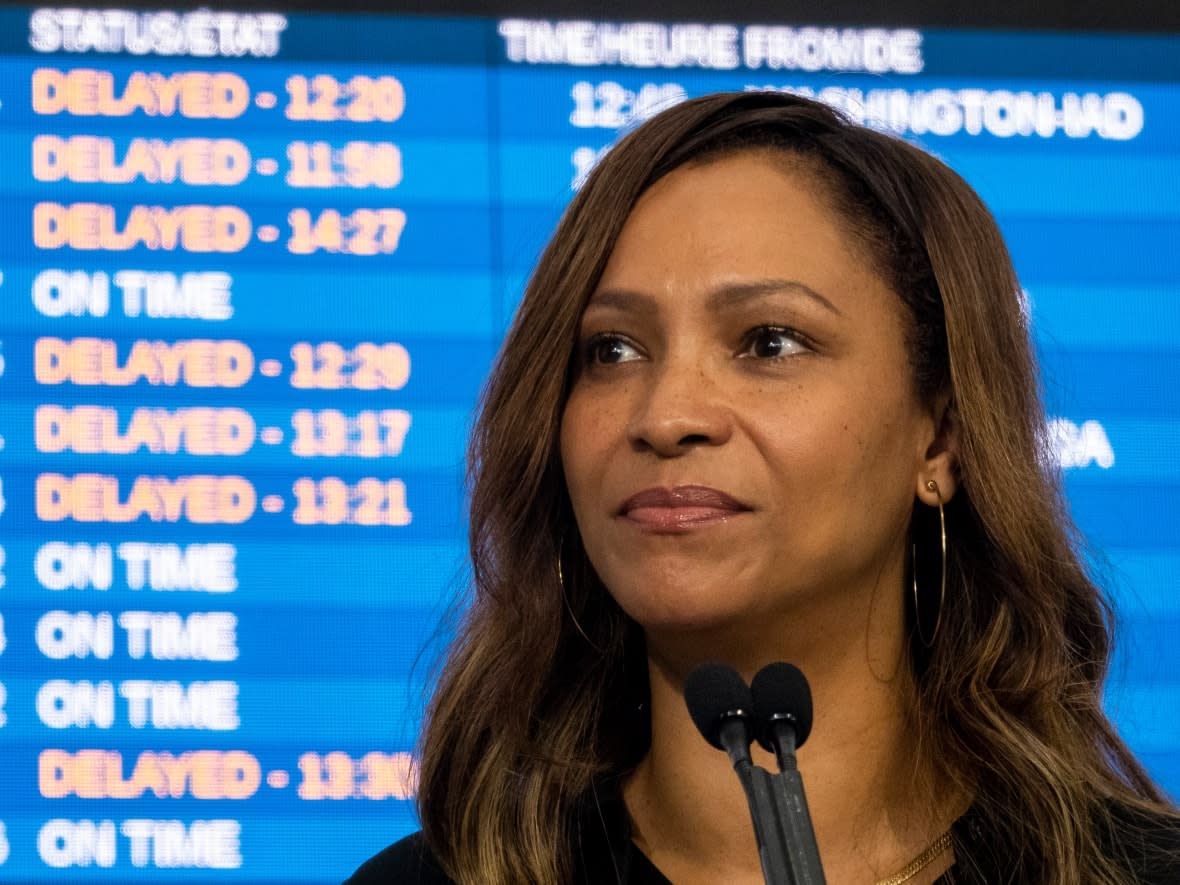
605 855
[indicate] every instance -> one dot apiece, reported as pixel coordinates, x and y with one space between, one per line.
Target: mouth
680 509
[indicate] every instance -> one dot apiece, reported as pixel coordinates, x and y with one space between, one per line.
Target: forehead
750 215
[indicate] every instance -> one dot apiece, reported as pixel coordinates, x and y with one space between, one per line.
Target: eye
772 342
610 348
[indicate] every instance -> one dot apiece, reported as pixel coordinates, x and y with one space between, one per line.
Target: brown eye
771 342
608 349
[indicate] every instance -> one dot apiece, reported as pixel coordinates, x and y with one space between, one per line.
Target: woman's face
742 437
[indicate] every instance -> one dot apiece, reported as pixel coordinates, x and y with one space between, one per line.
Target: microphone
721 707
782 701
782 698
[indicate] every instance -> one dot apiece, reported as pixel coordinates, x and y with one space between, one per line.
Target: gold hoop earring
931 486
566 601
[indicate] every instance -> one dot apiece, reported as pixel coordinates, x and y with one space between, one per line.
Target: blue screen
253 271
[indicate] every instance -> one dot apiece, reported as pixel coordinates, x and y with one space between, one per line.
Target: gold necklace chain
919 863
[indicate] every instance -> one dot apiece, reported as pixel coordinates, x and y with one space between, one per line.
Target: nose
679 408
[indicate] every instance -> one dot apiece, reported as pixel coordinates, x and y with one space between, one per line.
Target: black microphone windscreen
711 692
781 689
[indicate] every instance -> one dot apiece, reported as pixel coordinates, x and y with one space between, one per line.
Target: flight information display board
254 268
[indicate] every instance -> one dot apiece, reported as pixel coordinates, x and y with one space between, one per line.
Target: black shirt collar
604 853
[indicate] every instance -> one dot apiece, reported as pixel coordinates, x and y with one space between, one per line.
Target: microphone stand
796 832
761 796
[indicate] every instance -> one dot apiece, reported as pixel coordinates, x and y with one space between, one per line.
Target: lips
680 509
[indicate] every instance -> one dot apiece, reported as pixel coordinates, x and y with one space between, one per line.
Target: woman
767 357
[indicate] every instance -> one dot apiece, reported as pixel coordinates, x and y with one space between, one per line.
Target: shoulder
407 862
1146 846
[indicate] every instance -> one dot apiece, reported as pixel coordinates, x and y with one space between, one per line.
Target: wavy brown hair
539 698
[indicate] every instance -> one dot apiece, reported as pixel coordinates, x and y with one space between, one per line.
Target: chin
687 611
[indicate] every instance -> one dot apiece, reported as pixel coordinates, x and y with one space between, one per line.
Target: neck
872 800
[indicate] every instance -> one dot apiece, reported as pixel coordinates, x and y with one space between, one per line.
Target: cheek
884 458
849 442
815 437
583 443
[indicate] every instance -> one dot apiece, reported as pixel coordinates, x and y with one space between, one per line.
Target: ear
940 461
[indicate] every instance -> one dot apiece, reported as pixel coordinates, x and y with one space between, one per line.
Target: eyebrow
726 296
